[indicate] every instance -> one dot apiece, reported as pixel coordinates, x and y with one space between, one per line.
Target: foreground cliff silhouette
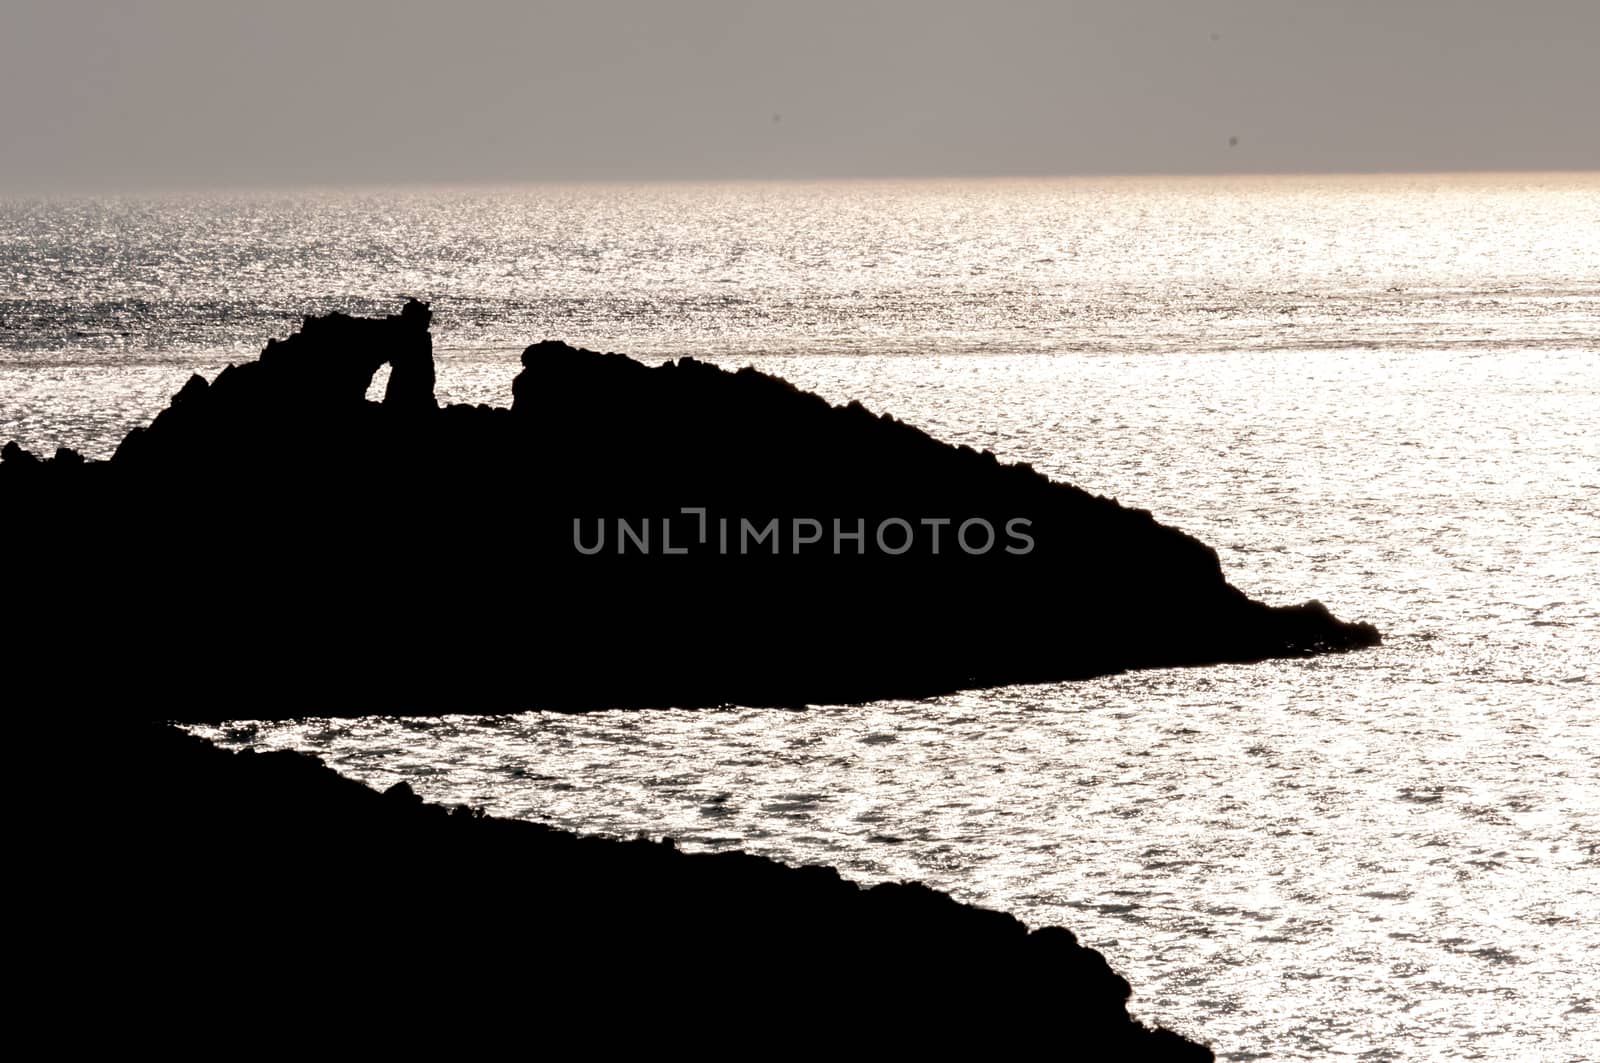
181 894
275 544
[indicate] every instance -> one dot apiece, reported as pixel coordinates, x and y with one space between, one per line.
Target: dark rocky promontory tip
275 544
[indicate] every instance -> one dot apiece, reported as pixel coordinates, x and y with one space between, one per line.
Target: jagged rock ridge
622 535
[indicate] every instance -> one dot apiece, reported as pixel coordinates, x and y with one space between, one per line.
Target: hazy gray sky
141 92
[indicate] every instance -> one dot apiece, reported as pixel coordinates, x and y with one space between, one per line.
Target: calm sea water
1381 392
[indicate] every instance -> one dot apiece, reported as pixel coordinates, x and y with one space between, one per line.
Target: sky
139 93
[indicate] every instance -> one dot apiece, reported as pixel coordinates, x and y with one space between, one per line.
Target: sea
1380 391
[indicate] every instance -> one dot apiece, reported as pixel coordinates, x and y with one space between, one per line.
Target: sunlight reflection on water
1379 392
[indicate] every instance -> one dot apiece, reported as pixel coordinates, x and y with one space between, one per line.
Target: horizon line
165 186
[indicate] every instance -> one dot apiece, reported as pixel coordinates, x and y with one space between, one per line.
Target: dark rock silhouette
273 544
192 892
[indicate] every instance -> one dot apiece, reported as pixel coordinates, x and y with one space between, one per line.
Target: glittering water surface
156 288
1379 392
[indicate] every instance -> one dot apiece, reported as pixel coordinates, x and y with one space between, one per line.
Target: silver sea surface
1380 392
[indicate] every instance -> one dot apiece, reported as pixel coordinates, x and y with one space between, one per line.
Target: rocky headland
274 544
